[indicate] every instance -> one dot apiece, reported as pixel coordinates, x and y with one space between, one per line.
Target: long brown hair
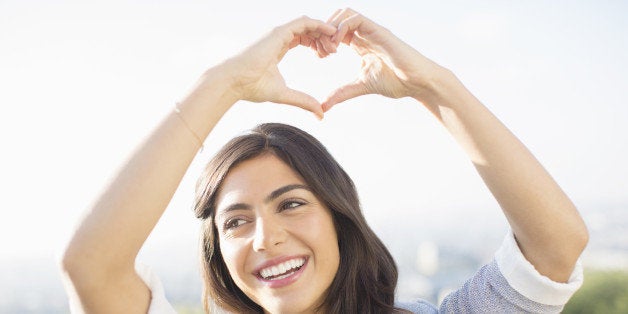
367 274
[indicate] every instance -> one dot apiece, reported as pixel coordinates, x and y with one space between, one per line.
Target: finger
293 32
327 44
321 50
350 25
305 24
302 100
341 35
333 16
341 15
337 19
303 40
344 93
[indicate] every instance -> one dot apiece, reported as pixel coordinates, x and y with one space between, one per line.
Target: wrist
220 80
210 98
440 89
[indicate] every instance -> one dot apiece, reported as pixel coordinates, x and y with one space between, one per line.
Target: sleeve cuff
158 303
525 279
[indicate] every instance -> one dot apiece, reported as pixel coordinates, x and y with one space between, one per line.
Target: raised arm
99 262
546 224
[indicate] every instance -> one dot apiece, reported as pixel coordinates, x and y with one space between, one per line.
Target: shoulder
511 284
419 306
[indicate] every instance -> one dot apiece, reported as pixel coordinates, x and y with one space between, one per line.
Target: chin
291 306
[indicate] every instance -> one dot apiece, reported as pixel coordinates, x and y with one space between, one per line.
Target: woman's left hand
390 67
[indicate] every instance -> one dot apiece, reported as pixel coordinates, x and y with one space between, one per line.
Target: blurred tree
188 309
603 292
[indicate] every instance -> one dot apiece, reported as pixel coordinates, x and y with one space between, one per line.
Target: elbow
84 267
77 275
579 236
562 257
69 264
578 241
582 238
75 263
575 238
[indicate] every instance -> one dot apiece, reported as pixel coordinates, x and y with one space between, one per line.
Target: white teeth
282 270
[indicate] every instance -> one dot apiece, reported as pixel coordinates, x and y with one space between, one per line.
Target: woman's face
276 237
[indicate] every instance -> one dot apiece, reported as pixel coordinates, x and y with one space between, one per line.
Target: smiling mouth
282 270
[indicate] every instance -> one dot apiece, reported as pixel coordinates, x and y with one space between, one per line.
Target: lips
281 272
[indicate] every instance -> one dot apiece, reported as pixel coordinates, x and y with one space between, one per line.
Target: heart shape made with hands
319 77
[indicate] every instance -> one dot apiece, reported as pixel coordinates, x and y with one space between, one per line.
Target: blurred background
82 82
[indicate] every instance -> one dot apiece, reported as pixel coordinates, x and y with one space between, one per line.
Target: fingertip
327 105
332 99
334 38
340 33
329 29
302 100
317 109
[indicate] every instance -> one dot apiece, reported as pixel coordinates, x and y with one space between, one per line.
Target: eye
233 223
290 204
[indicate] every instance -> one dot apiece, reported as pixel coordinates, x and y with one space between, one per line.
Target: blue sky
81 84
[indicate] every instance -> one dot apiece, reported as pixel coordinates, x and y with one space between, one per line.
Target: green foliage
603 292
188 309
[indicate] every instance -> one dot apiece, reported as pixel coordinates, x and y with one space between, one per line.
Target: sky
81 83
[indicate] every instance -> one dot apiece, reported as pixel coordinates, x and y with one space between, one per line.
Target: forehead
255 178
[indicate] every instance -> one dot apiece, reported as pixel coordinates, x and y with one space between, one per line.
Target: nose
269 233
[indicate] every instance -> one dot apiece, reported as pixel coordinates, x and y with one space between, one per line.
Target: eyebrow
272 196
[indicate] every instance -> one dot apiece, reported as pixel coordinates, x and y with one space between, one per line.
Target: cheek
234 256
326 232
325 240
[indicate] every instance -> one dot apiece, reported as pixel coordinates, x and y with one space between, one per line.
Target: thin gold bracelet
178 112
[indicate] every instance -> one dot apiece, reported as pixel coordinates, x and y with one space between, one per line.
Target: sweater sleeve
158 303
511 284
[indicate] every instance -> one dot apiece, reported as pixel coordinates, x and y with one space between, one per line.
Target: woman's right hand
254 74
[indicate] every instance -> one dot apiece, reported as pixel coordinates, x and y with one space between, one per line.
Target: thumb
302 100
343 93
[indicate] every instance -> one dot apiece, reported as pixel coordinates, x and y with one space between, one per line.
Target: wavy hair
367 274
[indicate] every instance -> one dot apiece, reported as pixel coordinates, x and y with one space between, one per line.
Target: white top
509 283
158 303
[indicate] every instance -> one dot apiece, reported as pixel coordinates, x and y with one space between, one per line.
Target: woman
282 231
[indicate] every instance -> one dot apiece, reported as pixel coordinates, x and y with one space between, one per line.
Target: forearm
547 225
114 229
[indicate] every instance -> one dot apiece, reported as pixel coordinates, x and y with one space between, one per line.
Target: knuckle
278 29
303 20
349 10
